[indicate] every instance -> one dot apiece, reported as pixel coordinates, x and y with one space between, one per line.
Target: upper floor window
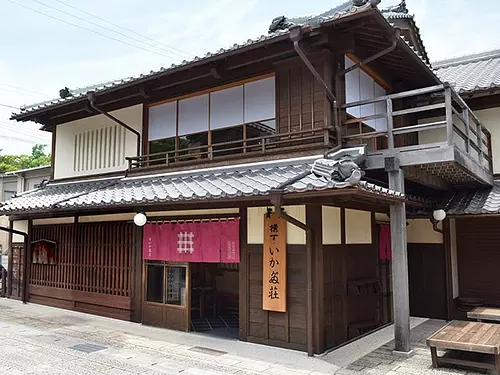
361 86
213 123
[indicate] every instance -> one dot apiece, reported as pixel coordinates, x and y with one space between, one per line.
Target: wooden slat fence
91 257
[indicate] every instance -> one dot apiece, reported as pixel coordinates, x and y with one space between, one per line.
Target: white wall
421 231
491 119
255 225
124 143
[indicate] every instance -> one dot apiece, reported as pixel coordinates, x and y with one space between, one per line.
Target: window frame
209 131
165 266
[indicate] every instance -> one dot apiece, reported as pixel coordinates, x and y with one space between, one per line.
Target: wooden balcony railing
276 143
437 109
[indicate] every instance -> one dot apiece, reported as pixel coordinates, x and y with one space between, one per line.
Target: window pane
176 286
193 146
162 146
226 108
260 100
162 121
7 194
193 115
352 88
256 130
232 134
154 286
367 91
380 107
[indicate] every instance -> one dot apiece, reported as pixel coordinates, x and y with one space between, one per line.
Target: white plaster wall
421 231
255 225
491 119
332 227
20 225
358 227
65 140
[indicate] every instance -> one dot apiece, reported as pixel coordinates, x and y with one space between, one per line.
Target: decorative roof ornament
359 3
65 93
343 168
400 8
279 23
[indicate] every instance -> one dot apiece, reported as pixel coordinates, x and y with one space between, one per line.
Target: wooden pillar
399 265
244 280
314 221
136 274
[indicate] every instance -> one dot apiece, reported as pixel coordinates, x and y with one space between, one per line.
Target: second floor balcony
438 139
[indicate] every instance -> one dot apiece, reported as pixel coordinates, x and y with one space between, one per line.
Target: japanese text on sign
274 263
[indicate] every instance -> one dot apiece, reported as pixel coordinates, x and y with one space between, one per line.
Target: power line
20 140
17 91
187 54
25 136
6 105
85 28
102 27
29 132
23 89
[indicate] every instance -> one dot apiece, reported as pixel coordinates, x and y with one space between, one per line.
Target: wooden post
449 116
390 125
465 115
243 276
400 267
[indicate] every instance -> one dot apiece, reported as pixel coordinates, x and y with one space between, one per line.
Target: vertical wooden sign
274 263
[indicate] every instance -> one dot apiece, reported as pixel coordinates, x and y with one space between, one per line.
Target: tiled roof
475 202
477 72
248 180
99 88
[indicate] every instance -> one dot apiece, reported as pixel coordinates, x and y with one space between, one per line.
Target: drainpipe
25 260
296 34
276 197
91 98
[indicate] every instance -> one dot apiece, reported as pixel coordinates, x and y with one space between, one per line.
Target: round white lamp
439 215
140 219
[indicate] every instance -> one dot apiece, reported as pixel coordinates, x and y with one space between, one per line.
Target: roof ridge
464 59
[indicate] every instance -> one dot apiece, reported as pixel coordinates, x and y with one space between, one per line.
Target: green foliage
38 158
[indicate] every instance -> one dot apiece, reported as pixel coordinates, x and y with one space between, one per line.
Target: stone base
403 354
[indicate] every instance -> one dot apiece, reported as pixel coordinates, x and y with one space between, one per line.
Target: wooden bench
484 313
472 337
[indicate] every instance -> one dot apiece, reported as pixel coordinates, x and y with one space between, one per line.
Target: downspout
91 98
296 36
25 258
277 200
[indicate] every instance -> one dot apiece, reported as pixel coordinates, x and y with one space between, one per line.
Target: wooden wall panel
427 280
301 99
478 258
276 328
93 270
352 292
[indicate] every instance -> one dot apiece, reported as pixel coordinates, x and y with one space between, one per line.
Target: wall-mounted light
140 219
439 215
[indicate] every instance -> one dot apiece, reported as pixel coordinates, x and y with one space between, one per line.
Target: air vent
99 149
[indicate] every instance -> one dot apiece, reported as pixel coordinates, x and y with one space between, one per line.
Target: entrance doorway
215 298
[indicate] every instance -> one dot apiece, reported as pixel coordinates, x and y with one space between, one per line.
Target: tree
37 158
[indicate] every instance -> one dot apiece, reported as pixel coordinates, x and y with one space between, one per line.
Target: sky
46 45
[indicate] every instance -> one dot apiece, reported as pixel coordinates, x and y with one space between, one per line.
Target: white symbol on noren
185 242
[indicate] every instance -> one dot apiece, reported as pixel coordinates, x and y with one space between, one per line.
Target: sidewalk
43 340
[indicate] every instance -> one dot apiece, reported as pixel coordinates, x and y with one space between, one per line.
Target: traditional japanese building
280 187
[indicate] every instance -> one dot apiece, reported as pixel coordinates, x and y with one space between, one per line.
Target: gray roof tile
475 202
233 182
477 72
